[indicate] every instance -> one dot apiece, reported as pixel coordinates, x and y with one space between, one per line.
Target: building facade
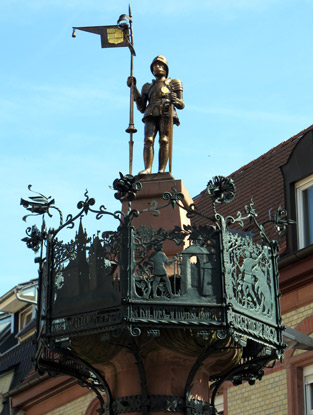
283 177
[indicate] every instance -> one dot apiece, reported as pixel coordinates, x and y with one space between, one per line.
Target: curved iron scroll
209 409
249 371
142 374
65 362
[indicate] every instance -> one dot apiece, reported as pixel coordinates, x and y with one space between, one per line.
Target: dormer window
304 204
25 317
298 183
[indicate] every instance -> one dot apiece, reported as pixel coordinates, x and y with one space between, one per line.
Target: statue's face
159 69
158 247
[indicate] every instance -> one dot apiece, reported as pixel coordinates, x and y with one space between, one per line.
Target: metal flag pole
131 128
170 139
120 35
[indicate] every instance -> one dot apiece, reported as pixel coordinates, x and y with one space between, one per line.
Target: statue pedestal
153 188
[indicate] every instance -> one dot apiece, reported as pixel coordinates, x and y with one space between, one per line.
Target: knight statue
157 101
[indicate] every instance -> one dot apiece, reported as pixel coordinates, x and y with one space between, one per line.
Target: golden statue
157 101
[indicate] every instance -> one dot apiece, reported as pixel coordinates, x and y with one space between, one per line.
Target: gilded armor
158 101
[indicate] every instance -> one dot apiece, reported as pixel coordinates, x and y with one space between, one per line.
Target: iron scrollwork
211 278
192 274
34 238
161 403
64 361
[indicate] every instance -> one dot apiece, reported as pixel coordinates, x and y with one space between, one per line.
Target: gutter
297 340
296 256
18 287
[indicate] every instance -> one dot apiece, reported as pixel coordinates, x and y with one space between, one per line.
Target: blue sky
246 66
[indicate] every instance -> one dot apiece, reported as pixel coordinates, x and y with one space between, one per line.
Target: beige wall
77 407
266 397
270 395
295 317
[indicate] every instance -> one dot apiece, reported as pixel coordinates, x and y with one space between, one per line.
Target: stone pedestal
153 188
165 372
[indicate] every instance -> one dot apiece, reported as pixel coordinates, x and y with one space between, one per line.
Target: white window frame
24 316
300 187
308 386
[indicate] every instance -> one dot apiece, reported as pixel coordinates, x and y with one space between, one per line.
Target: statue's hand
173 97
131 80
177 101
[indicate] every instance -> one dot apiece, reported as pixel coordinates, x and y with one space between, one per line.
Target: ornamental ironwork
221 283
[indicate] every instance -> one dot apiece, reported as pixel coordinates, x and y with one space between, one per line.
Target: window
308 389
5 383
298 167
304 200
5 321
25 317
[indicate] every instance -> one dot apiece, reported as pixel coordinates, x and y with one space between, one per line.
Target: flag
111 36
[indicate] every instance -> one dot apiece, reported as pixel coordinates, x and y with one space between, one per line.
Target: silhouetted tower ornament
215 325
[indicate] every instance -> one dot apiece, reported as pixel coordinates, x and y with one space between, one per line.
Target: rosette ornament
221 189
126 187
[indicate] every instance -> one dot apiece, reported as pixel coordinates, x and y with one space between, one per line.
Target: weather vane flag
119 35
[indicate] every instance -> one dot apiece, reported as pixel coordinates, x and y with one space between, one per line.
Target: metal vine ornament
221 286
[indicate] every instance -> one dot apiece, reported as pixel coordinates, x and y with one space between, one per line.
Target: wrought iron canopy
222 283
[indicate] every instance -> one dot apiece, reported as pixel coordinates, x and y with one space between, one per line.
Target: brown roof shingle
260 180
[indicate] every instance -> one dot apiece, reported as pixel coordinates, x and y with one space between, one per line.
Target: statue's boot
148 160
145 171
163 155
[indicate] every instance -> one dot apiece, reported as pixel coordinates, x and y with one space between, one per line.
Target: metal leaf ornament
221 189
34 238
174 197
280 220
37 205
85 204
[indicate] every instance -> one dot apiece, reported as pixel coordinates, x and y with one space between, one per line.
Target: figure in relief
158 260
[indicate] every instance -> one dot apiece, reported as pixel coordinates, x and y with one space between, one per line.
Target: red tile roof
261 180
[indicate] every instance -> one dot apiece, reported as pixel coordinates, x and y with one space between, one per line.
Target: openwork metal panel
93 287
251 288
115 280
